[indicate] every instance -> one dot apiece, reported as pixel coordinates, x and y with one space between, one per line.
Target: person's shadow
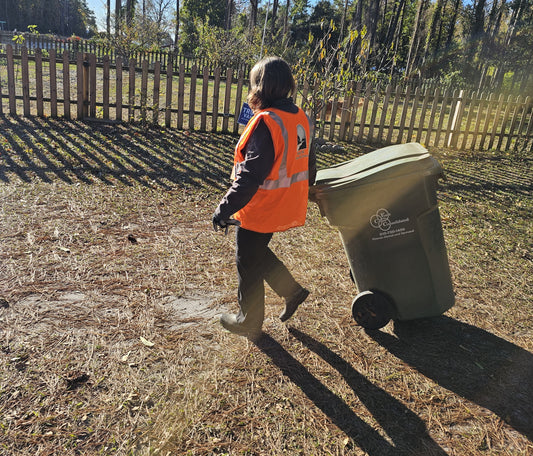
471 362
406 430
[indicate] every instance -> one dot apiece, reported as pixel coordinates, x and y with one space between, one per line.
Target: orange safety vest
280 202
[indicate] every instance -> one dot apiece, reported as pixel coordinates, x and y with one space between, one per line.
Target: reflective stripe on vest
283 181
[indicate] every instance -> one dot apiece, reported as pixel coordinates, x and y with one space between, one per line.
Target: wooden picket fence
201 99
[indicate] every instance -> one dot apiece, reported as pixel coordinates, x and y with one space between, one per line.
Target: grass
111 279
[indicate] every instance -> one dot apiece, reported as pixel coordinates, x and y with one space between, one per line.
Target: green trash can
384 205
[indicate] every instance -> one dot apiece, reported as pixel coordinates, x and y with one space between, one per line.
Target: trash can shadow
469 361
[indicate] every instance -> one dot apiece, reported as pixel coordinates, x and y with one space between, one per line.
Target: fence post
39 94
83 85
11 81
25 82
118 90
144 89
131 90
157 86
192 96
53 83
66 84
92 84
453 135
168 92
227 98
105 88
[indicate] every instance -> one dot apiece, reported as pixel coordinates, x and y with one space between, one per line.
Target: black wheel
372 309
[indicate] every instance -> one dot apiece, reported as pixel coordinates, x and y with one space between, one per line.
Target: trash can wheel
372 309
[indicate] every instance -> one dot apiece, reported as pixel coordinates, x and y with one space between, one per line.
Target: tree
118 15
194 13
108 17
229 13
130 11
63 17
416 37
327 67
286 18
253 17
436 20
177 29
275 6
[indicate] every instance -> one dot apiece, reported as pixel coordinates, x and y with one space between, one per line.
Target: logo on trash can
381 220
390 227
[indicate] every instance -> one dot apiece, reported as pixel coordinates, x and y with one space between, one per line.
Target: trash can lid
381 164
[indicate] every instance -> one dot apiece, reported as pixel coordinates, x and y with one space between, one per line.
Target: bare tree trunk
451 30
398 36
357 23
372 21
229 10
439 35
130 6
393 32
343 20
177 31
253 17
286 20
108 18
275 6
415 37
435 19
517 14
393 24
479 20
118 10
372 24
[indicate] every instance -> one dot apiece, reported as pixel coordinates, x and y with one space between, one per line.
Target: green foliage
61 17
329 64
18 38
226 48
193 15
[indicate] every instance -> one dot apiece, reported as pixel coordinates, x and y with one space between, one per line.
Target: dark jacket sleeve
258 162
312 164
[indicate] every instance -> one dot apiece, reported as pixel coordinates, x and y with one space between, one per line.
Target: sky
98 7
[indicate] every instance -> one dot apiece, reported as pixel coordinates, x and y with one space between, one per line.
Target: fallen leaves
146 342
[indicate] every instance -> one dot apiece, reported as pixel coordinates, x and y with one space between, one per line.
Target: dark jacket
257 165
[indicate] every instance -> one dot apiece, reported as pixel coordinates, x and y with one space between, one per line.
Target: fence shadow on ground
407 431
479 176
48 150
470 362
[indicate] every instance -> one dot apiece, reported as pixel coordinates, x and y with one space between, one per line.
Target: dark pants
255 264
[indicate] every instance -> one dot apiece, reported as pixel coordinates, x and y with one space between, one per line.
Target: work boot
292 303
229 322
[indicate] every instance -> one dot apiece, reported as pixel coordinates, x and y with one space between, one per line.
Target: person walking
274 164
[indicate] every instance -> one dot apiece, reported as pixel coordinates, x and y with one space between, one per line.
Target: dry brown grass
106 238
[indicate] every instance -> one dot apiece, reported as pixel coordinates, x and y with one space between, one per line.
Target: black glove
219 224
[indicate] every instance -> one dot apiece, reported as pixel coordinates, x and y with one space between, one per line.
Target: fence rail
205 99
